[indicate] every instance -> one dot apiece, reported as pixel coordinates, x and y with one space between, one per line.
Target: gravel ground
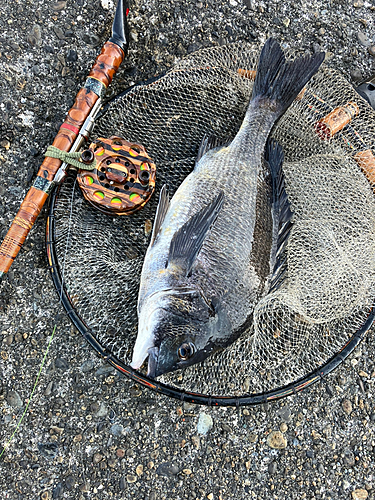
89 432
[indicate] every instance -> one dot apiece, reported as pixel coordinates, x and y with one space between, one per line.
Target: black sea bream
213 251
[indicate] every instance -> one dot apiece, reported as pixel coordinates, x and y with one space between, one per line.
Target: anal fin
282 211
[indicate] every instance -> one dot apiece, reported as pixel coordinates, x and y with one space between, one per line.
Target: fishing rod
72 135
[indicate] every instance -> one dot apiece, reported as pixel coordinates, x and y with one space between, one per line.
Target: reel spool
123 179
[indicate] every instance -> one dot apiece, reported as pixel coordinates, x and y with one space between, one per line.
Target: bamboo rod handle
101 74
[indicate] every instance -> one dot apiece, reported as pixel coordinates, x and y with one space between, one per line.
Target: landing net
323 307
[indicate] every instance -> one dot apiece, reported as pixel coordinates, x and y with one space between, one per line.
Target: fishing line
54 328
32 392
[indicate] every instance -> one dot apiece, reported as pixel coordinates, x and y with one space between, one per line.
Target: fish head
179 328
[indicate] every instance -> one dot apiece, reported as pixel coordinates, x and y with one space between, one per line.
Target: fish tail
280 80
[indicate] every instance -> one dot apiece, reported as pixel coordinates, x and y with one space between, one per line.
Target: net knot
70 158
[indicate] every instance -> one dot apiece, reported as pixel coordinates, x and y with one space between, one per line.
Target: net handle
100 76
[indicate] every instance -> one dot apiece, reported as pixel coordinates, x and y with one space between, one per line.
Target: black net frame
180 393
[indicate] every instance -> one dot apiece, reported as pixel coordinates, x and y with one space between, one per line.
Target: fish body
214 244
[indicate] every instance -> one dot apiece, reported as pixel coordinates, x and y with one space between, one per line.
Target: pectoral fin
160 212
188 240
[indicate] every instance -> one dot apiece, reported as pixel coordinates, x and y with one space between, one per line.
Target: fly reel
123 179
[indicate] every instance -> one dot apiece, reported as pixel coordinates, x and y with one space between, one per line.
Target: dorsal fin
282 212
188 240
210 142
160 212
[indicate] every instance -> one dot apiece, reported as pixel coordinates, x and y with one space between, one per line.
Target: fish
215 246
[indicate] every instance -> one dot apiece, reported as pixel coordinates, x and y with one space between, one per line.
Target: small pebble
59 33
272 467
107 4
252 437
56 430
87 366
18 337
362 38
102 411
97 458
167 469
84 487
69 483
59 6
72 56
283 427
131 478
57 491
9 339
48 450
117 430
205 423
91 39
360 494
349 458
46 495
347 406
104 370
371 50
196 441
14 399
139 470
62 364
35 36
276 440
284 413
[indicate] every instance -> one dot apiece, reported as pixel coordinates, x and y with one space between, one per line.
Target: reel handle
101 74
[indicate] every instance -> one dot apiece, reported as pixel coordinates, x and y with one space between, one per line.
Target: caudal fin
280 80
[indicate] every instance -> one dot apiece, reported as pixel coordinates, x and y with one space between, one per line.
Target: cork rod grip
103 70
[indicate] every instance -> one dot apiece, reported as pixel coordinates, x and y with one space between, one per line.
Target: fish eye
186 350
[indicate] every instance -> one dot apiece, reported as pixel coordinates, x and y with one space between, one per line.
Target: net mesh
328 283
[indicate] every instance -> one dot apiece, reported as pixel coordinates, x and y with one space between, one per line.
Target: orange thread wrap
366 160
104 68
